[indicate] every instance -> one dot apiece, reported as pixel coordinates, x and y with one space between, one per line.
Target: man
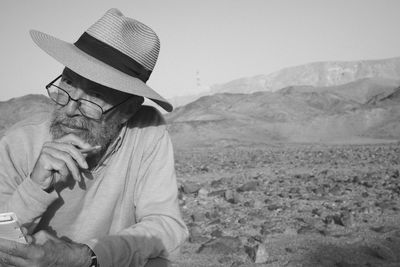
93 184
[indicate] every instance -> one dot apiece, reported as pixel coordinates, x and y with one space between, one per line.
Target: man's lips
72 128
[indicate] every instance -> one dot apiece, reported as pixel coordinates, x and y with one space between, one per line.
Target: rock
294 191
232 197
242 221
237 263
203 168
383 229
198 217
365 210
395 174
290 231
364 194
267 227
224 260
336 190
356 180
273 207
190 187
249 186
195 235
180 195
255 239
367 184
258 204
216 233
380 252
203 193
289 250
386 205
265 230
216 183
212 215
215 222
333 219
258 253
316 212
347 218
217 193
250 203
221 245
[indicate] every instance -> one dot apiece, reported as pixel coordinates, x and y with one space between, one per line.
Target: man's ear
130 108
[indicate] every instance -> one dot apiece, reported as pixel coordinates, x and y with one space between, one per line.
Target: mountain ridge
365 110
317 74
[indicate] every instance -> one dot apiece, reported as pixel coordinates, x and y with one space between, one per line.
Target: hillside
366 110
315 74
19 108
362 111
318 74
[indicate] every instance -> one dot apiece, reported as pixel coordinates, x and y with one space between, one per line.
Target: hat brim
95 70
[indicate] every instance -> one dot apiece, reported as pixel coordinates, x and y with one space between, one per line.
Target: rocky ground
291 205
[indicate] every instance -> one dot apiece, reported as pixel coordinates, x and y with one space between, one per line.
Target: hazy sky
221 39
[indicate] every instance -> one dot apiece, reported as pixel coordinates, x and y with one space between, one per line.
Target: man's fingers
12 248
6 259
61 164
10 260
64 164
72 151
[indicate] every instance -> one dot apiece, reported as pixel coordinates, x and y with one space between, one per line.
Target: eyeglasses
88 108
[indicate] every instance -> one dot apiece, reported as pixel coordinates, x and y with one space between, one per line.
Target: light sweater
126 210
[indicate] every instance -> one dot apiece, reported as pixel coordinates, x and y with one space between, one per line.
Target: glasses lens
90 109
58 95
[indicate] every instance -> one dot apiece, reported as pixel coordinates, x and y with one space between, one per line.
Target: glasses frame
80 99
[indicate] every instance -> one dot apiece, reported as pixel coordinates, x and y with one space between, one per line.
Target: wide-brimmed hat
116 51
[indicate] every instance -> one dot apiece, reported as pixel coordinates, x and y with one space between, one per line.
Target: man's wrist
93 258
48 188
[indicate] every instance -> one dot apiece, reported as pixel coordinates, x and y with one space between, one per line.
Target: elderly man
93 184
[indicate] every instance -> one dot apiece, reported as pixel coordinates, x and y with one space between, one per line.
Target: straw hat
117 52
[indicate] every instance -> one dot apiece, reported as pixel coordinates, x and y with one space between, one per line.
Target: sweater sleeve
18 193
159 230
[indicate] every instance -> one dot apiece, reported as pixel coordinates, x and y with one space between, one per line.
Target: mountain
363 110
317 74
366 110
19 108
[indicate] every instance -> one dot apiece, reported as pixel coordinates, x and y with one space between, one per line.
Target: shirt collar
114 147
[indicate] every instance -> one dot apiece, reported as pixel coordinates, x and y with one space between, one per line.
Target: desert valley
296 168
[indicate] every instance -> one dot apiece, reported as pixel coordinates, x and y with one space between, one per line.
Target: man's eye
64 80
96 95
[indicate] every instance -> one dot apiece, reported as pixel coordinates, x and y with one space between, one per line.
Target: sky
203 42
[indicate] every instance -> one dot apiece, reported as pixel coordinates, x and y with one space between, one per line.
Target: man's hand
45 250
58 159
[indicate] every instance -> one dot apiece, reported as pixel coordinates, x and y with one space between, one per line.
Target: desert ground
290 205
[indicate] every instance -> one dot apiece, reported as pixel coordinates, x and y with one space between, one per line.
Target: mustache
80 123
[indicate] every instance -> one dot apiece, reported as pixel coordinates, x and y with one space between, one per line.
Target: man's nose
72 108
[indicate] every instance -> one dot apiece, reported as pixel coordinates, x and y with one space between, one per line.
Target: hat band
112 57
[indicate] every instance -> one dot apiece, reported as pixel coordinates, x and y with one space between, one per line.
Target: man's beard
93 132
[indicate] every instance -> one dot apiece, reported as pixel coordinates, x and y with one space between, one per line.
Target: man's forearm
28 201
155 236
